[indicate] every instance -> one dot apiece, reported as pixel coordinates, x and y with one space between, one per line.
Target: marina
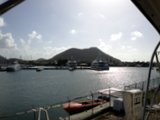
29 89
82 87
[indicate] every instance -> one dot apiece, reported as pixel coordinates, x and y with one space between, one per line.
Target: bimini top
151 10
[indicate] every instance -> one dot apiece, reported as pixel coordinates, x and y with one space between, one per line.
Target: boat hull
99 65
13 68
78 106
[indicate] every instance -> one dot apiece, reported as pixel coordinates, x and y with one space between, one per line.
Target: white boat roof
151 10
134 90
110 90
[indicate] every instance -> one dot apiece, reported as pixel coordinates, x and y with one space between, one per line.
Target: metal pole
92 101
39 113
157 59
45 111
46 114
148 80
143 86
109 97
35 115
69 105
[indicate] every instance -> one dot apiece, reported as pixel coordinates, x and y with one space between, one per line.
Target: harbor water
27 89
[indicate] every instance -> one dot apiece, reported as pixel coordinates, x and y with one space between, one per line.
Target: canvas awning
8 4
151 10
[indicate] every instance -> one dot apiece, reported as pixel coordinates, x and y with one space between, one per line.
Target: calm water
24 90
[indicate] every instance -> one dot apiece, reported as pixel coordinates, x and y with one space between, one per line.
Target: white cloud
128 48
45 52
24 45
2 23
123 47
50 51
73 31
101 43
7 41
133 26
80 14
116 36
135 35
101 15
49 42
103 46
35 35
44 49
22 41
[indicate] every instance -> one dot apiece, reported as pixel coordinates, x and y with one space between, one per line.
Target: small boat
99 65
72 64
39 69
74 107
71 68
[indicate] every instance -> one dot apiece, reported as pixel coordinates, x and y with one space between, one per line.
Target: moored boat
99 64
39 69
74 107
71 68
72 64
14 67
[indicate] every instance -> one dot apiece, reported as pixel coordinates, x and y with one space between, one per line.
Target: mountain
40 59
3 60
85 55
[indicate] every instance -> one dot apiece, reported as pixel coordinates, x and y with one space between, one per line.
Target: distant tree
62 62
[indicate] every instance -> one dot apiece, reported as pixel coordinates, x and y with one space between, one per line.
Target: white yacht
72 64
13 67
99 64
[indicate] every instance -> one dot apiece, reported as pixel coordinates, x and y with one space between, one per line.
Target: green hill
85 56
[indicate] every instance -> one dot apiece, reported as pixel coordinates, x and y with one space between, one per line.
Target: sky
43 28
